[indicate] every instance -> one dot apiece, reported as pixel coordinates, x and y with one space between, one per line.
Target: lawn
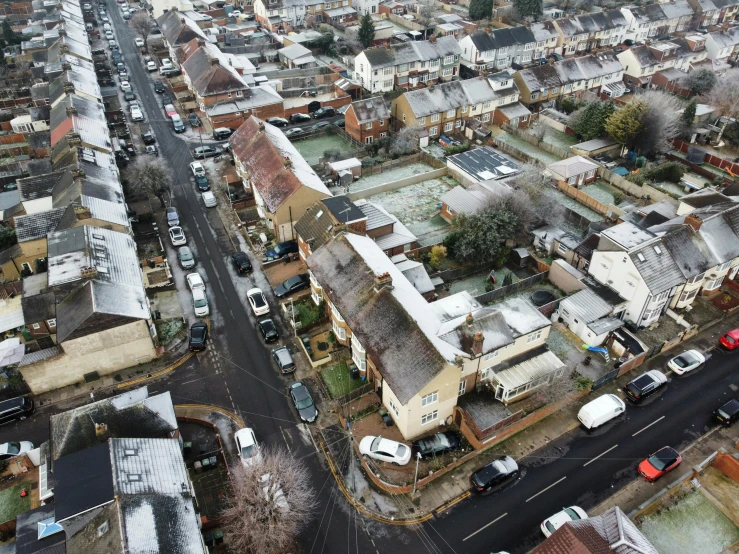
338 381
307 311
11 502
313 148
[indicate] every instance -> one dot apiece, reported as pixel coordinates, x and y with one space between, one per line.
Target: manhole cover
322 346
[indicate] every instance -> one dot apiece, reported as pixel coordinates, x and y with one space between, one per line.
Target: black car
340 123
129 95
644 385
728 413
159 88
198 337
299 118
166 99
148 137
281 250
495 475
241 262
291 285
278 121
202 183
303 402
436 445
194 120
320 126
268 329
320 113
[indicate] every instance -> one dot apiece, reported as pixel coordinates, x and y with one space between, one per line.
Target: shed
352 165
520 256
596 147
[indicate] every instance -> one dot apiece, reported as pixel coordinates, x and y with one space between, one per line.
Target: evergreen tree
10 36
528 8
624 125
688 115
366 31
481 9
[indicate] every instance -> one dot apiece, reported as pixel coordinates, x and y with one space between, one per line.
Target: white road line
545 490
648 426
484 527
599 455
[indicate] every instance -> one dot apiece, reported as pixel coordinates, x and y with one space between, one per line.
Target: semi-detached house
498 49
423 356
588 31
407 65
714 12
546 36
722 45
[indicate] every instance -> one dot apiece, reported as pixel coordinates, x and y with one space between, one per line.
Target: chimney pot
694 221
201 42
382 281
101 432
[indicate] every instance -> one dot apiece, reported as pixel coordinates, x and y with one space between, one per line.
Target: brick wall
727 465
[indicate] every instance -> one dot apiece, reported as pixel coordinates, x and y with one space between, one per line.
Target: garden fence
510 289
353 395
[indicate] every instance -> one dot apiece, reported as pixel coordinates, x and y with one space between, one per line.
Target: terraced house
408 65
498 49
642 62
657 19
589 31
714 12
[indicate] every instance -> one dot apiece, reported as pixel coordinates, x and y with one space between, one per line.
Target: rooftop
84 481
484 163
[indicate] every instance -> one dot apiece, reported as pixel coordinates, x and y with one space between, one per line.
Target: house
391 7
270 167
444 108
722 45
286 15
296 56
431 353
160 7
590 31
671 80
261 101
367 120
612 531
341 14
407 65
508 110
541 86
480 165
714 12
471 199
546 36
498 49
642 62
575 171
39 312
592 313
178 30
364 7
656 19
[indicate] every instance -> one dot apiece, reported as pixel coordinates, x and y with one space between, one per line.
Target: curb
232 416
362 509
156 374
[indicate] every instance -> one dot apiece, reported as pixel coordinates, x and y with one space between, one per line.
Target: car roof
198 325
245 436
284 354
198 293
253 291
731 407
208 194
734 333
240 255
666 453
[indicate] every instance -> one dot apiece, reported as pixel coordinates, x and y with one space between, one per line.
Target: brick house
367 120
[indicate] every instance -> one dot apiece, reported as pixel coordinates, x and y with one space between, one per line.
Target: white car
195 281
139 42
209 199
113 45
385 450
257 302
177 235
197 169
166 64
137 114
247 447
551 524
12 449
235 13
687 361
200 303
151 66
125 86
109 35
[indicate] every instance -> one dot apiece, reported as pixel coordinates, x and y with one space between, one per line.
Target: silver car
187 260
284 359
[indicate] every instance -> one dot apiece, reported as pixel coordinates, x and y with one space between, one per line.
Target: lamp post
415 479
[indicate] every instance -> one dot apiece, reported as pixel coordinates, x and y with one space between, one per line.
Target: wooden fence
510 289
353 395
583 198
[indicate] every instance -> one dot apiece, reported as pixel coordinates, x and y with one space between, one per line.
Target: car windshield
258 300
684 360
402 449
723 414
201 303
14 447
375 444
185 255
279 249
660 459
303 400
248 451
729 339
572 513
550 527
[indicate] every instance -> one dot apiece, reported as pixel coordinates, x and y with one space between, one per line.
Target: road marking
599 455
648 426
285 435
484 527
545 490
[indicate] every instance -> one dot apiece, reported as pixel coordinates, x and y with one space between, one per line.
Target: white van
599 411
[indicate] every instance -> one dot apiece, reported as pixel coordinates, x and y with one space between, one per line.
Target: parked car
291 285
303 402
200 303
159 88
385 450
173 218
177 235
186 257
341 123
125 86
495 475
206 152
151 149
202 183
109 35
151 65
321 125
436 445
320 113
257 302
137 114
644 385
601 410
139 42
19 408
268 329
170 110
685 362
728 413
658 464
195 281
179 127
209 199
295 131
222 133
278 121
284 359
198 337
113 45
730 340
126 15
299 118
193 119
166 63
241 262
551 524
247 447
12 449
129 95
281 250
197 168
148 137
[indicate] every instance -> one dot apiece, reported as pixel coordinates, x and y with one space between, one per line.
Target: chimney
201 42
477 343
84 213
288 162
182 20
432 38
261 126
101 432
71 110
215 61
694 221
382 281
469 319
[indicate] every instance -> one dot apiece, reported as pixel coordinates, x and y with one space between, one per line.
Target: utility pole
415 479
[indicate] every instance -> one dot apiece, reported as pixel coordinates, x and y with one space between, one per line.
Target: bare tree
271 502
661 122
150 176
143 24
724 98
425 15
405 141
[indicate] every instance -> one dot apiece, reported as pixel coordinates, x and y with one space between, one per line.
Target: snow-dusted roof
467 200
572 167
726 38
294 51
627 235
586 305
449 96
386 56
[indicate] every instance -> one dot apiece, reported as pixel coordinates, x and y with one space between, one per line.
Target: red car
730 340
661 462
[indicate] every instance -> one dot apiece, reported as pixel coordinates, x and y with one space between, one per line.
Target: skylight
48 527
641 257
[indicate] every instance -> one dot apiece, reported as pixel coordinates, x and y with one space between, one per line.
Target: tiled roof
38 225
412 52
370 109
586 305
210 73
657 267
502 38
449 96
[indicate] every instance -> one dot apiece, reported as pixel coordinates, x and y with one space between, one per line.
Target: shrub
456 149
437 256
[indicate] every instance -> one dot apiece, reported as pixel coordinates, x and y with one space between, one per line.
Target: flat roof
485 163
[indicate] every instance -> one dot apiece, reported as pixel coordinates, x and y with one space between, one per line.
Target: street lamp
415 479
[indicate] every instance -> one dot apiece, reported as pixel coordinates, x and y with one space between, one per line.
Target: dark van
15 408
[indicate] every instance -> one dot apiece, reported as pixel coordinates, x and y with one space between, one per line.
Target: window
428 418
451 113
402 68
591 173
403 80
434 131
433 75
464 109
387 84
403 117
387 71
368 140
448 60
529 46
103 528
422 121
462 387
486 105
571 180
434 63
724 266
688 295
435 118
486 117
533 336
448 126
447 72
339 331
36 326
51 323
488 357
393 407
534 95
714 284
430 398
561 248
383 135
239 94
695 279
368 125
458 123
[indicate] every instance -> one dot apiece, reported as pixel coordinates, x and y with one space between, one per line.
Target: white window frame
435 118
448 126
339 331
51 323
451 113
533 336
485 117
430 398
462 387
393 407
434 131
430 417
